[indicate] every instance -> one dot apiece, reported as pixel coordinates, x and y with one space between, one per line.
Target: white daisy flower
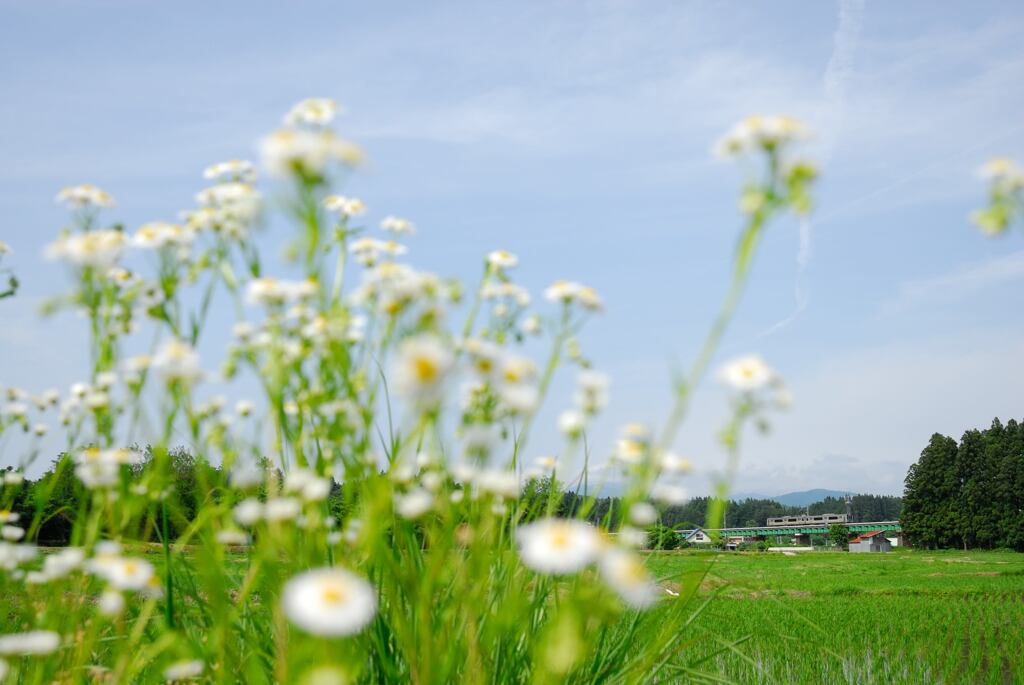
282 509
110 603
422 364
329 602
624 571
643 514
632 537
414 503
311 487
12 555
502 259
98 474
546 463
244 408
60 564
432 481
85 195
759 132
747 374
505 290
499 482
269 290
367 251
569 291
345 206
127 573
480 439
673 463
571 422
231 170
245 475
32 642
531 325
97 400
669 494
177 361
230 536
290 151
557 546
100 248
312 112
15 410
106 380
591 391
184 670
158 234
632 447
248 512
1001 169
224 203
394 224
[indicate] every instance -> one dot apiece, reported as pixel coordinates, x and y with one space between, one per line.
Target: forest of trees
54 500
755 512
970 494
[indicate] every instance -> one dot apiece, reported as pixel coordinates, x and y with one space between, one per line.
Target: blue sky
577 135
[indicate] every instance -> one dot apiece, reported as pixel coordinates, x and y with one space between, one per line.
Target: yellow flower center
333 594
634 573
425 369
559 537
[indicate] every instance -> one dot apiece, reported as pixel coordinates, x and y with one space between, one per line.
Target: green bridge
803 529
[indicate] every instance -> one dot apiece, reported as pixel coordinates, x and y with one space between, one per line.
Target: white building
873 541
695 536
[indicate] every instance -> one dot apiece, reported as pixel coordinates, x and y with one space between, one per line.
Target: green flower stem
557 346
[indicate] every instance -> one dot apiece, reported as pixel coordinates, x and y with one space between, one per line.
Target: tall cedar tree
969 495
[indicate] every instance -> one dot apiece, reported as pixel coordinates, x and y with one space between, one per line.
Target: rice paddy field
833 617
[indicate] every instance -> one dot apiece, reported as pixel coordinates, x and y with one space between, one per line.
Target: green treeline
57 499
54 503
753 512
968 495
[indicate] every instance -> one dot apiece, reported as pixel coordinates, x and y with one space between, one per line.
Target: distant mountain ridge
795 499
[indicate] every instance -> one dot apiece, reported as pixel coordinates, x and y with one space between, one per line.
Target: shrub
662 537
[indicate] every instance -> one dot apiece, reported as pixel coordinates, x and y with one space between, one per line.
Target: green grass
832 617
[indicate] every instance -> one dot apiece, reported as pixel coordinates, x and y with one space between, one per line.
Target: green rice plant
901 627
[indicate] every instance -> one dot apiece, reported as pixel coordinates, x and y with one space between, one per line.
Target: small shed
872 541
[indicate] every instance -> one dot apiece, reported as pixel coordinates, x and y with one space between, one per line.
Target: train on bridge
807 519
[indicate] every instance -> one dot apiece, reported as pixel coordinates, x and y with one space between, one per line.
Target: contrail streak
837 75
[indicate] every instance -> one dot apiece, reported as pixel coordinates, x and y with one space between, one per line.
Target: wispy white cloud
956 285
